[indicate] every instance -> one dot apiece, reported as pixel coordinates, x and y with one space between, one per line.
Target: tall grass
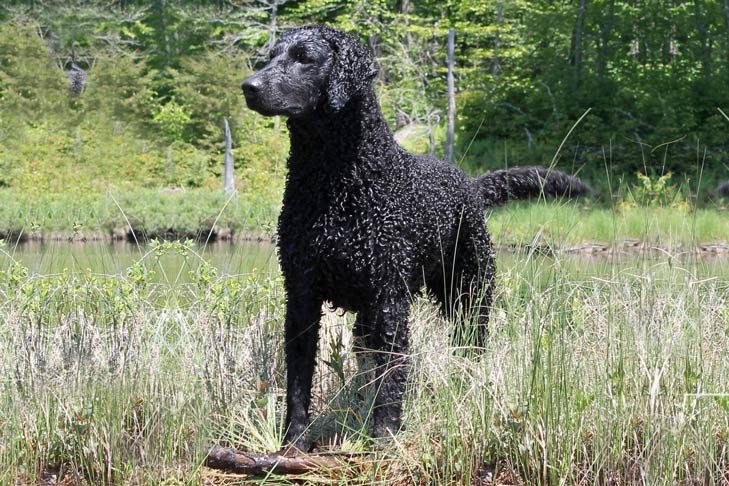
109 377
612 372
606 379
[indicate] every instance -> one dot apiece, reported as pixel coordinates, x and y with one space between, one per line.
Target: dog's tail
500 186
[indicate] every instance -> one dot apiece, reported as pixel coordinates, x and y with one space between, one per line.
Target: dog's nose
251 86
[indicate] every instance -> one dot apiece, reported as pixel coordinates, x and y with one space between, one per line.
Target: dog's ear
352 71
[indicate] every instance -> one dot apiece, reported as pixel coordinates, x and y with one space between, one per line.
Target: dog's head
310 68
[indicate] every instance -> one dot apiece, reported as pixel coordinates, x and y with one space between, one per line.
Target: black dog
364 223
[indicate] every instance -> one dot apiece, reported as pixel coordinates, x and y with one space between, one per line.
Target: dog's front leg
390 344
303 316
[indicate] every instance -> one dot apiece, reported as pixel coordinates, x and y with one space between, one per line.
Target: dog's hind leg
464 287
474 271
383 331
472 305
363 341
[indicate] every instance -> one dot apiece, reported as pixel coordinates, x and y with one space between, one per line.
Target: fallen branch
240 462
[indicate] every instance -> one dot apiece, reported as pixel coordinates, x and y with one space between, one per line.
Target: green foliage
123 131
163 77
172 119
174 213
49 158
119 87
152 213
31 85
655 191
551 225
193 213
207 85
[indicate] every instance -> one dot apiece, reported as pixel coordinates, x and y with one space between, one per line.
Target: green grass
594 370
152 213
567 224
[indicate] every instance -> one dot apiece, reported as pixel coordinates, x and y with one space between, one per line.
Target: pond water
246 257
105 258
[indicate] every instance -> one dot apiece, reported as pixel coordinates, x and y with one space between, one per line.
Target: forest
155 81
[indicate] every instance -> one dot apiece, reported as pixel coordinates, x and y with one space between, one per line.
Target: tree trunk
605 31
725 4
704 39
229 182
496 66
405 11
577 52
273 24
671 50
451 95
635 48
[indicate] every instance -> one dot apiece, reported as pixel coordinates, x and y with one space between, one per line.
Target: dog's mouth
293 111
254 103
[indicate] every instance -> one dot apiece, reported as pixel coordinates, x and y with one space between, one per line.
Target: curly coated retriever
364 223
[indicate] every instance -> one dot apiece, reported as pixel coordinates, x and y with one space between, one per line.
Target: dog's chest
339 227
337 239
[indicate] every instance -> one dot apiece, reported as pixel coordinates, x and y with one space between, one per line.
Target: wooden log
236 461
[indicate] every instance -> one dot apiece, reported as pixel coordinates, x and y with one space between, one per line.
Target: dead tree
451 96
229 176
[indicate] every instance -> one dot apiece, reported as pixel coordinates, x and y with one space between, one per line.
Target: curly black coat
364 223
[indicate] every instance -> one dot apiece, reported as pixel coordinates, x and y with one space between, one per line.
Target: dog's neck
357 135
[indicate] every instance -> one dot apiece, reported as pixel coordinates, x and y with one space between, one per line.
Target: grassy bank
558 224
147 213
609 373
177 213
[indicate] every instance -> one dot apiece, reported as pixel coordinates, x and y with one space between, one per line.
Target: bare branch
255 464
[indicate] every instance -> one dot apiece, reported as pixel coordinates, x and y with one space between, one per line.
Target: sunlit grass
561 224
595 370
151 213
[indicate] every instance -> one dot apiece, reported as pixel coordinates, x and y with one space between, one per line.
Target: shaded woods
162 76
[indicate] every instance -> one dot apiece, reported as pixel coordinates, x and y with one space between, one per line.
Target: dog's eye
300 56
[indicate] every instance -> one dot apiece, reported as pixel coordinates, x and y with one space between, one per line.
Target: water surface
115 258
246 257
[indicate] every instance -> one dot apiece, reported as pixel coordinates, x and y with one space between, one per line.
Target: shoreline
711 249
120 235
